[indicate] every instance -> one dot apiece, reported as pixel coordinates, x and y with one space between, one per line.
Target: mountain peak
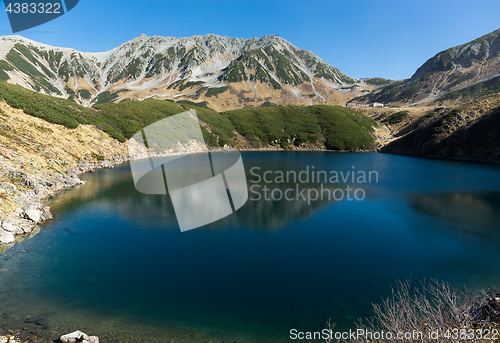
463 56
449 74
245 72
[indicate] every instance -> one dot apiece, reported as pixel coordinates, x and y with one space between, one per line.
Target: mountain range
225 72
464 71
228 73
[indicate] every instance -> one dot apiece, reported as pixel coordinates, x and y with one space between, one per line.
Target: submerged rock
40 319
78 336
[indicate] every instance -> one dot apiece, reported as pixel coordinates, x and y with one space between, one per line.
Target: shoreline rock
8 339
6 237
78 336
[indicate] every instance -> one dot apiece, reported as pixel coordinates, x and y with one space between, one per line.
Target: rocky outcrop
24 224
78 336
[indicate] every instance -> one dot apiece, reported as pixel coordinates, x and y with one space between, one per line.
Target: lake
113 262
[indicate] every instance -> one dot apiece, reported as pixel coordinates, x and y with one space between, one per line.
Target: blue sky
377 38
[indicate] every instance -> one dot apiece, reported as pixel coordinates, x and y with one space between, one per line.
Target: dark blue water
115 263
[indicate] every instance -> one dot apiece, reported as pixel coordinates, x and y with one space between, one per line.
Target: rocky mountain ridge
226 72
464 71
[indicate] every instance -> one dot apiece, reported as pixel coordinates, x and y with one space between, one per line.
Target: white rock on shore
33 215
6 237
4 339
7 226
27 229
46 214
78 336
23 225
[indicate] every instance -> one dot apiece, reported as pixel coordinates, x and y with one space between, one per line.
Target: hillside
284 127
39 159
225 72
470 132
35 154
464 71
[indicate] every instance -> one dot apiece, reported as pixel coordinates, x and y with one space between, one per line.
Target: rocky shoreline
73 337
23 221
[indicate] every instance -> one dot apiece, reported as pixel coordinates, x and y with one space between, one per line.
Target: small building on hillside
357 104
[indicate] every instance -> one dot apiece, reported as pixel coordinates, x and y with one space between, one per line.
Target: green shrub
107 96
462 78
190 84
479 89
378 81
397 117
427 116
336 127
267 104
4 66
97 157
452 115
342 129
85 94
411 91
216 91
53 110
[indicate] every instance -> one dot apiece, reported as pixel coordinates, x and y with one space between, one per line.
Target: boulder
106 164
8 226
33 215
6 237
46 214
27 229
6 339
78 336
39 189
48 183
29 183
